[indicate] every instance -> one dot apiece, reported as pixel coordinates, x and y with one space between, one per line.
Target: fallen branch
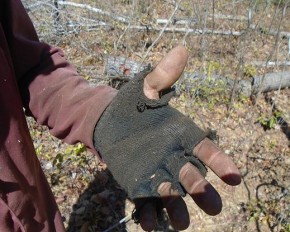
173 21
161 32
94 9
271 81
121 68
283 34
188 21
189 30
79 5
230 17
270 63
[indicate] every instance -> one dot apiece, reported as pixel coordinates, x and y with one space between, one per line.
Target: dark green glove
146 142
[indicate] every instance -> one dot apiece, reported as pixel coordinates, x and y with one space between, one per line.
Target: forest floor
90 200
254 132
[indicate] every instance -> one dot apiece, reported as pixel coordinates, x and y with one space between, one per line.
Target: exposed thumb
167 72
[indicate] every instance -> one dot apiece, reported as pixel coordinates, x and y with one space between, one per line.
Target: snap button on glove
146 142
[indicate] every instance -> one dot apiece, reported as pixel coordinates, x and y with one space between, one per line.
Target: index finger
219 162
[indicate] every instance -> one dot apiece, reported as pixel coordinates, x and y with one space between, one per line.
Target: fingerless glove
145 142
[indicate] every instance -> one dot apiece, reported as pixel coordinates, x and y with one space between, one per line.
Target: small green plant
254 208
213 67
208 92
213 92
287 227
279 2
73 153
267 211
272 143
269 122
73 157
250 71
58 160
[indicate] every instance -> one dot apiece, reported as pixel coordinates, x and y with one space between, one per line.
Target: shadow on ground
102 205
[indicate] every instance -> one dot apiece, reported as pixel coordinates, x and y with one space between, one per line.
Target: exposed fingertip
181 221
180 47
232 179
147 226
148 217
215 210
211 205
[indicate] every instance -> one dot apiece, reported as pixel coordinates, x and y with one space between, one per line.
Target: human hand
166 73
155 151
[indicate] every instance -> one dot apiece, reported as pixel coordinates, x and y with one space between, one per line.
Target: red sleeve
51 89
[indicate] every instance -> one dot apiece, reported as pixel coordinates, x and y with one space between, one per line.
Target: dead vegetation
235 39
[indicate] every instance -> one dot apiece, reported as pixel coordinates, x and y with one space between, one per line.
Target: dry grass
262 201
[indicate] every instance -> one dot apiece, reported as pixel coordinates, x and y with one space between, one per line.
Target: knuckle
163 187
184 171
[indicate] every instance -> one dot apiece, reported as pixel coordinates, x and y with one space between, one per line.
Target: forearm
51 89
65 102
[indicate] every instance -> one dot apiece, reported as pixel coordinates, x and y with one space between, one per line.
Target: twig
189 30
161 32
94 9
275 47
171 20
173 2
124 220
